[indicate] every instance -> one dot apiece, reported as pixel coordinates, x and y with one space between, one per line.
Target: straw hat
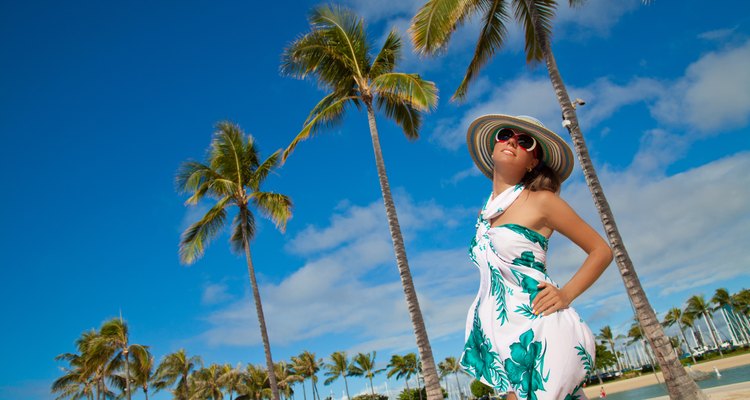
480 139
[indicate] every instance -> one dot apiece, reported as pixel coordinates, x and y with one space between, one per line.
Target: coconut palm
176 367
742 301
76 382
285 377
141 370
255 384
336 53
452 365
605 334
230 379
208 383
431 30
338 367
307 366
697 306
113 343
88 369
364 366
725 303
403 367
674 316
233 175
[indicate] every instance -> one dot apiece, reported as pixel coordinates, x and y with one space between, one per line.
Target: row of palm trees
734 308
107 366
336 53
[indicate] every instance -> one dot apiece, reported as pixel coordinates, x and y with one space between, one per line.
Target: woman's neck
501 182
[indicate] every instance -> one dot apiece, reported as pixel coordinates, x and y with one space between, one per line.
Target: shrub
370 397
413 394
479 389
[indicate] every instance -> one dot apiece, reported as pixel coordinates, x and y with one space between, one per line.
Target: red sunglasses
525 141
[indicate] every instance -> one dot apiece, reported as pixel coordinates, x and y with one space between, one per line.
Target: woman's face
508 152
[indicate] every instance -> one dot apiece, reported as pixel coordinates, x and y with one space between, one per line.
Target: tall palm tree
338 367
113 341
725 303
233 175
76 382
176 367
674 316
364 366
307 366
285 378
336 53
697 305
255 384
230 379
403 367
452 365
606 335
742 301
431 30
208 383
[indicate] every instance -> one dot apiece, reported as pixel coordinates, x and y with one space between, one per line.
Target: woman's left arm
561 217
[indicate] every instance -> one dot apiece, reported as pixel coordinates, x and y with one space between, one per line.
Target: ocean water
728 377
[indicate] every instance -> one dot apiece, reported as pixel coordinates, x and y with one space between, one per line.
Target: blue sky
100 103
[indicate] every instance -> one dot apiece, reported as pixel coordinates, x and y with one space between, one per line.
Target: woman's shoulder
545 200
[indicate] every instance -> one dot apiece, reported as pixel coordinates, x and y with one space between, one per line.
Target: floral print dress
507 346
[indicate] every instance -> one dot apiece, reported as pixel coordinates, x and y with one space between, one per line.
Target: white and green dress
507 346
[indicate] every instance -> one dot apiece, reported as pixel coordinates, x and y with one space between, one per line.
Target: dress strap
501 202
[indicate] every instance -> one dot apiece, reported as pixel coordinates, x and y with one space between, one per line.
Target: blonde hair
541 177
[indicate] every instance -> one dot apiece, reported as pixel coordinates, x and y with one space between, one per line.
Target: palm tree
336 53
255 384
742 301
364 365
697 306
233 175
113 342
76 383
431 30
338 367
606 335
674 316
208 383
403 367
285 378
176 367
141 369
454 367
230 379
307 365
725 303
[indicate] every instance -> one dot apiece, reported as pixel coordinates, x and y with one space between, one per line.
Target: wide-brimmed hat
480 139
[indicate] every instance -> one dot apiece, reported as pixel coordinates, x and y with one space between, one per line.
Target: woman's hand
549 299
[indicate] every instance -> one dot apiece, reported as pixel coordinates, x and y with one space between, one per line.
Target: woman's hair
541 177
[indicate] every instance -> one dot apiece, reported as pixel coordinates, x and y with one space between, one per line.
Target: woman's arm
559 216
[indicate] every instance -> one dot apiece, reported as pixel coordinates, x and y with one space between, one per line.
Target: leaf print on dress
497 289
588 364
525 367
527 260
526 311
480 361
532 236
527 283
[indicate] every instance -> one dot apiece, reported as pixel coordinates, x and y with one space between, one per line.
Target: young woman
521 335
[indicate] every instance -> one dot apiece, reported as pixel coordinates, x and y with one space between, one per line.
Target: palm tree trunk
127 369
145 392
458 387
679 383
423 343
346 385
712 329
259 311
304 392
372 387
690 351
614 352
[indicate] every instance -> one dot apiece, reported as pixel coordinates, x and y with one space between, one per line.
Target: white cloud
713 95
718 34
214 293
592 18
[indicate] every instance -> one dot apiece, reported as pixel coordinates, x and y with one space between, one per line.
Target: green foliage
479 389
370 397
604 357
414 394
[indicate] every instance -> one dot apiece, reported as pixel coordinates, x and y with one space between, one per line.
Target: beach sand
649 379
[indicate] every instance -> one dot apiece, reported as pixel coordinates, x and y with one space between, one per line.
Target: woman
521 335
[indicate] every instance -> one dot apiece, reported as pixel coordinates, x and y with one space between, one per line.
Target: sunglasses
525 141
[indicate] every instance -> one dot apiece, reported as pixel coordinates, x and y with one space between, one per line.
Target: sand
649 379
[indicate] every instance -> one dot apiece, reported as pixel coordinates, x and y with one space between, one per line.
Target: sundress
507 346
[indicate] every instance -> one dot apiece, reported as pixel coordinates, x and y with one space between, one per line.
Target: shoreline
649 379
